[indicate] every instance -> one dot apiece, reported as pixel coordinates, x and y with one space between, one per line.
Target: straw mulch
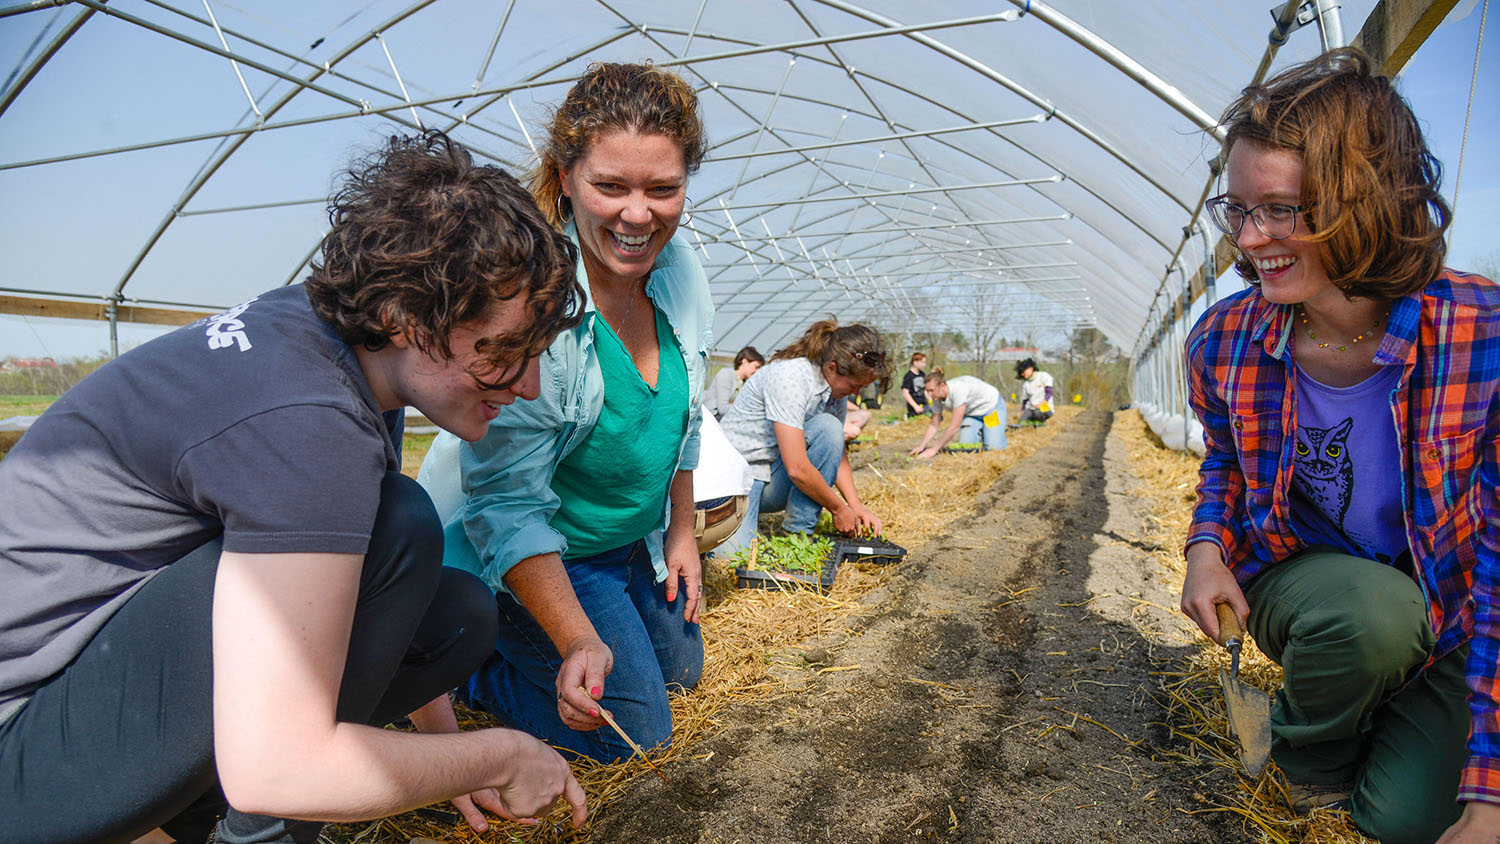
1191 686
748 633
927 496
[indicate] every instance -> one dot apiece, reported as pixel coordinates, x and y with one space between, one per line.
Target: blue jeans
825 450
653 649
973 430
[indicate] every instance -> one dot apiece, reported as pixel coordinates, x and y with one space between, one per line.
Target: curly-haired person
1347 504
219 585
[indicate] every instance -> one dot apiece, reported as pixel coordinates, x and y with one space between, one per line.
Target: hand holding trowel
1249 708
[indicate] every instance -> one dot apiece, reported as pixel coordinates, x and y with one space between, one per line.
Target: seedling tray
747 578
963 448
876 551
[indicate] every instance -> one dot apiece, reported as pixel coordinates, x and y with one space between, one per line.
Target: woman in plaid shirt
1347 510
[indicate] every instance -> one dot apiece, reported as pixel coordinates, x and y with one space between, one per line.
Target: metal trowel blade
1249 711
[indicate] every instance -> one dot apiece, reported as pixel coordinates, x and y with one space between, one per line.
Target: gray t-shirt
789 391
720 393
256 424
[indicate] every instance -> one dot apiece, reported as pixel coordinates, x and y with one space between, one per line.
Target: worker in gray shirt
725 384
218 583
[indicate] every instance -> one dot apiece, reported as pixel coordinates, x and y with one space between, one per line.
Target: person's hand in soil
533 778
845 520
1479 824
869 523
585 666
531 774
1208 583
925 454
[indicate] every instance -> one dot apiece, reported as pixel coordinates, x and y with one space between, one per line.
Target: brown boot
1302 798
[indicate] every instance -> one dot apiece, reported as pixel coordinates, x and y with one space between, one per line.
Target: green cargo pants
1348 633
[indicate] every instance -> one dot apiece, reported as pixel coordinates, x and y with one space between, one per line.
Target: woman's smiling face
627 193
1290 269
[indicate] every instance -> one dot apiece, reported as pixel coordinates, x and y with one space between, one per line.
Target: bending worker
1036 392
789 423
218 584
976 410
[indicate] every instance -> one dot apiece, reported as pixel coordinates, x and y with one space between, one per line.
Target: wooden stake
608 719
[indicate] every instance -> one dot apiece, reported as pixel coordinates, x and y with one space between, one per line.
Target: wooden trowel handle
1230 631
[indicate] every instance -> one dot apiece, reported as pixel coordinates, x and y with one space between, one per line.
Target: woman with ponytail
788 422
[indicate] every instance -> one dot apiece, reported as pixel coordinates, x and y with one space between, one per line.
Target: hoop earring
564 219
687 210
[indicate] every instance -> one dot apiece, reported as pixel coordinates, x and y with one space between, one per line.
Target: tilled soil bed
1000 689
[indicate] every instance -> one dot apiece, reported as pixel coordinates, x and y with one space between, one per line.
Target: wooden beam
73 309
1396 28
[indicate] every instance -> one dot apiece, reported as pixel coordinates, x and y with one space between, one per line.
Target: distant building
20 364
1009 354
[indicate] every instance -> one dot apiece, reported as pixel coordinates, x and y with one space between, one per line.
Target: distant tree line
27 377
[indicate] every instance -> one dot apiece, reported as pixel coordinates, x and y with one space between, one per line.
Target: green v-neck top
613 486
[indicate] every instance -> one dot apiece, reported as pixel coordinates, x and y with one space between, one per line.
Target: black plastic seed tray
757 579
876 551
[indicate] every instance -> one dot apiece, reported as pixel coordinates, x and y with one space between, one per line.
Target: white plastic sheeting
915 165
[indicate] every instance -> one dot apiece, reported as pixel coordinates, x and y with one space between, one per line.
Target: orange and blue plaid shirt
1446 408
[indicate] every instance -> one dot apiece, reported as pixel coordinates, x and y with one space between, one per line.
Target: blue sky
1437 82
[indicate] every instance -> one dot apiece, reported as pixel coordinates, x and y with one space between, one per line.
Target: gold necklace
1311 335
625 320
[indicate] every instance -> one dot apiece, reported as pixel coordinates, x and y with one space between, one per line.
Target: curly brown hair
424 240
1369 184
611 97
855 350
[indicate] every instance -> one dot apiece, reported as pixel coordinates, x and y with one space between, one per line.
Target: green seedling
793 553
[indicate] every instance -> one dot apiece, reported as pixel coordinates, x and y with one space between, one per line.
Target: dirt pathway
999 692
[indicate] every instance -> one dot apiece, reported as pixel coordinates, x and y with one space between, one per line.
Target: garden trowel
1249 708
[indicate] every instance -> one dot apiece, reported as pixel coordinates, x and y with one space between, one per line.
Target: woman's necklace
625 320
1343 347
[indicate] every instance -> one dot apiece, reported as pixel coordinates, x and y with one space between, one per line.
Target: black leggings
122 740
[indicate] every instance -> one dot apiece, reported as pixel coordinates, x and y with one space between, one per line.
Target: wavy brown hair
855 350
424 240
1369 184
611 97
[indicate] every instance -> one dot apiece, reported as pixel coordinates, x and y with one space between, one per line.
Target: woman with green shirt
577 509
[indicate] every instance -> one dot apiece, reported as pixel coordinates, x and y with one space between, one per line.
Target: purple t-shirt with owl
1346 467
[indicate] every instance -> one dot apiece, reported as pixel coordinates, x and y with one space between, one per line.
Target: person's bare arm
281 625
437 716
932 429
792 443
845 483
948 435
541 585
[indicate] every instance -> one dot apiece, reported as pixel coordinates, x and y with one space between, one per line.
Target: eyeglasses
1276 220
872 359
